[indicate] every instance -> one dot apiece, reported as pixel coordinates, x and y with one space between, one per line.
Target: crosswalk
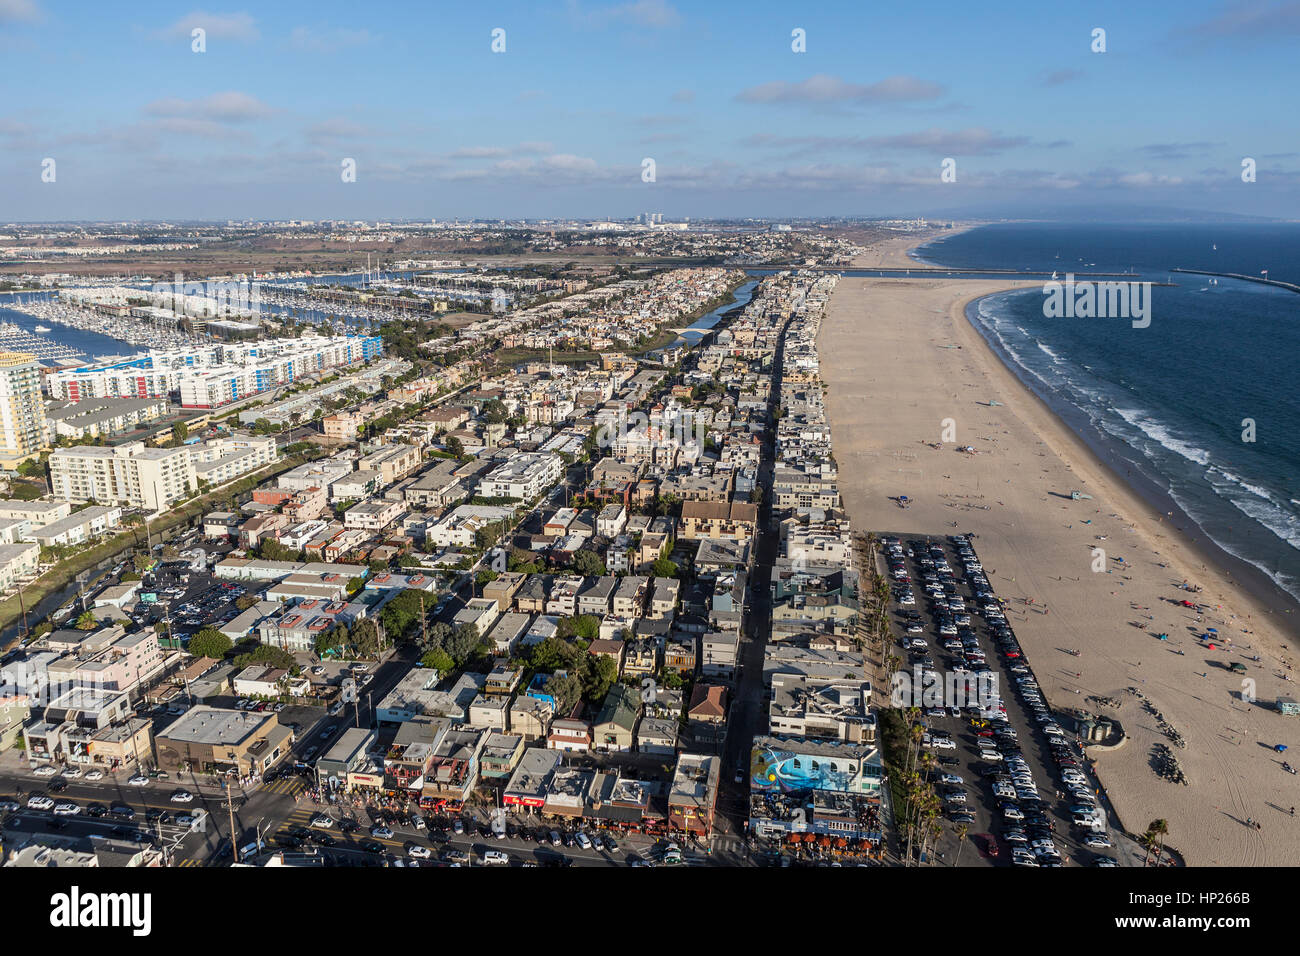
289 786
301 817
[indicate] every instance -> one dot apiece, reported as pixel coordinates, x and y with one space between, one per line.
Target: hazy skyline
142 127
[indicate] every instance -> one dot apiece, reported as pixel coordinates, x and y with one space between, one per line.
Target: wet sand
889 351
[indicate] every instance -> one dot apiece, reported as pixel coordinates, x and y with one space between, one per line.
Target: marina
110 333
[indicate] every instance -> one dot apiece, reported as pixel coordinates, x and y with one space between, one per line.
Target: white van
417 821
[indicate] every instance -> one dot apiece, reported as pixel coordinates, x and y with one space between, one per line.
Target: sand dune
901 358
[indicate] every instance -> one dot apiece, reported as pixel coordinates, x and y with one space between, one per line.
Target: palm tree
1159 829
960 830
1147 841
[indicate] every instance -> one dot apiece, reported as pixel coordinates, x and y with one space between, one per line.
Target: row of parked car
1026 824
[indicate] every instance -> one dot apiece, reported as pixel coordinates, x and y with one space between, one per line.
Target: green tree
364 636
439 660
455 446
87 621
210 642
462 642
599 676
584 626
245 601
588 563
665 567
566 689
180 432
264 654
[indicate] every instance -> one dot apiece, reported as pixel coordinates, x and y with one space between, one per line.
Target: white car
45 771
182 796
322 821
496 858
381 833
67 809
583 841
1022 857
951 779
419 852
94 775
139 780
72 772
990 755
1097 841
40 803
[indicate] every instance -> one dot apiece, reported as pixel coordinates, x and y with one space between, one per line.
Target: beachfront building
23 429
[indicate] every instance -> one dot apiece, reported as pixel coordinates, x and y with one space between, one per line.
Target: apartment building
392 462
23 428
18 562
524 476
343 425
373 515
131 474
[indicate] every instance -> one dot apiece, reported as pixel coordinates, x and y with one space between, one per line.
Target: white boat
43 328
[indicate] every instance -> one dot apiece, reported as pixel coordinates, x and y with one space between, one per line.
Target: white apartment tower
23 431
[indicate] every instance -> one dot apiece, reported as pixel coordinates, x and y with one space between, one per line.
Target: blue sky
141 127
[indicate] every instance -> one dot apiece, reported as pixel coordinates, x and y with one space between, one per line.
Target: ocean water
84 341
1169 402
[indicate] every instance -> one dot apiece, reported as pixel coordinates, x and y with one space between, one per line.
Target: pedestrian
1293 811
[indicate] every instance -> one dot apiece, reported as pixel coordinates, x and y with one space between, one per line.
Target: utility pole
22 604
234 838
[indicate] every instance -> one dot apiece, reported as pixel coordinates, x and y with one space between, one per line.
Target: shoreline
1271 599
889 391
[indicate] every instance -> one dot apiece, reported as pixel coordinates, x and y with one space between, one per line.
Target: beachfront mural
787 770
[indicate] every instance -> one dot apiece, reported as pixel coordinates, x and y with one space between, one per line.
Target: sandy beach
900 358
893 253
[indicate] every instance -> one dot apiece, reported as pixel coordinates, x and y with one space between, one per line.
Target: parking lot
1003 766
194 599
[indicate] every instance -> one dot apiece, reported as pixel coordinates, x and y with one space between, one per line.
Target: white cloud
823 88
19 11
229 107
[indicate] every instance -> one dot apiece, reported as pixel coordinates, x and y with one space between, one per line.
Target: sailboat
1214 246
1053 273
